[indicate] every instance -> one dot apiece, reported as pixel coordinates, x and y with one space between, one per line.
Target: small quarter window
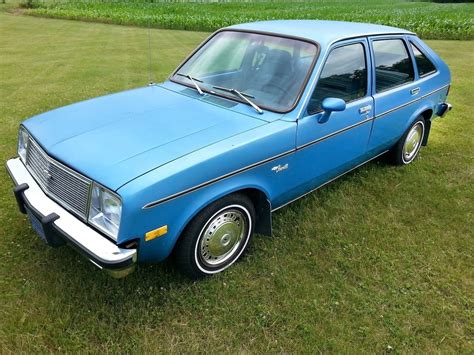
344 76
393 66
424 65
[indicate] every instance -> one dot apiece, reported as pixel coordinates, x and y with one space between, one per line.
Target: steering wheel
272 88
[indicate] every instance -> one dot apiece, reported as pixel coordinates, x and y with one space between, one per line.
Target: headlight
23 139
105 210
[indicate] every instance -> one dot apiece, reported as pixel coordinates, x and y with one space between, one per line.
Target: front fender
178 212
173 194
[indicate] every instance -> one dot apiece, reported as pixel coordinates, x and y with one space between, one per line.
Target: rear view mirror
329 105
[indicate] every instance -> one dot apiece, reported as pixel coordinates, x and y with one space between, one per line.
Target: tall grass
429 20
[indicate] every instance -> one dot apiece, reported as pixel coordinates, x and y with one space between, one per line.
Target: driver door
326 150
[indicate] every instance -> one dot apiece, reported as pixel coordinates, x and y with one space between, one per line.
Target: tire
216 237
407 148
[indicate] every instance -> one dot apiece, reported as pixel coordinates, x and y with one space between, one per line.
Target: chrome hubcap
412 142
223 236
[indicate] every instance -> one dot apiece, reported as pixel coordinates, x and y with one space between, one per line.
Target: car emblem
47 174
280 167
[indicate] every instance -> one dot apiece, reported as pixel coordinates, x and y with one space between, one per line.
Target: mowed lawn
380 260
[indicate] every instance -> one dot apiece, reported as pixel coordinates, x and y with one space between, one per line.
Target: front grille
64 185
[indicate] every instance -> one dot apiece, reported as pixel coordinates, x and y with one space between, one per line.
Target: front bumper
57 226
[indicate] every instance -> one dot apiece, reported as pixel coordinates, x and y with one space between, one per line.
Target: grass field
379 260
428 20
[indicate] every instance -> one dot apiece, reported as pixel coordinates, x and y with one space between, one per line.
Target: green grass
380 258
429 20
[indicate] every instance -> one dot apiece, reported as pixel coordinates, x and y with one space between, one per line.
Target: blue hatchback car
259 115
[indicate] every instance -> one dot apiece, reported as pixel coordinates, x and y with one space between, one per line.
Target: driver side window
344 76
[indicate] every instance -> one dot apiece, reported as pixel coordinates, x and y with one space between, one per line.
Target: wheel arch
425 111
427 114
260 200
263 209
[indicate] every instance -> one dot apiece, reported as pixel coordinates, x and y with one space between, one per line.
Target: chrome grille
64 185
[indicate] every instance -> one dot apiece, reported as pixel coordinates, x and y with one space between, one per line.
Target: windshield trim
235 98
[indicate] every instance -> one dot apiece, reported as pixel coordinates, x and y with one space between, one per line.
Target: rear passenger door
394 91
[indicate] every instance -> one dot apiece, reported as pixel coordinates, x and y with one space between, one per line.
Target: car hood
116 138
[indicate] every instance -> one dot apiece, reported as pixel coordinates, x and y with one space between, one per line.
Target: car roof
323 32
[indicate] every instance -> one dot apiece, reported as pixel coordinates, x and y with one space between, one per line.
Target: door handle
415 91
365 109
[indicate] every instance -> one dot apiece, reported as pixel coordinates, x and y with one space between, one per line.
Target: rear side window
344 76
424 65
393 66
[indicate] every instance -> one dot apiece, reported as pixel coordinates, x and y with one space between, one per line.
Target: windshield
269 69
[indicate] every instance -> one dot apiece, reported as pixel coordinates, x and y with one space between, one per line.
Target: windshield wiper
194 81
242 95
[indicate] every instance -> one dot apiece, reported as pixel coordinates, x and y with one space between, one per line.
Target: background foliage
428 20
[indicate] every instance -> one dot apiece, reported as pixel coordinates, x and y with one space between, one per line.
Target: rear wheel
408 147
216 237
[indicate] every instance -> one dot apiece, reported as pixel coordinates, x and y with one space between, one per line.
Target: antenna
150 76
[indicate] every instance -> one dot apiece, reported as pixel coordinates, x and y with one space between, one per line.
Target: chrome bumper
444 109
57 226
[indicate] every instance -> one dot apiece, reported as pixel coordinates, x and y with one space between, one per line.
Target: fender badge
280 167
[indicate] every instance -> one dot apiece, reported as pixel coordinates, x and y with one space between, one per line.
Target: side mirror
329 105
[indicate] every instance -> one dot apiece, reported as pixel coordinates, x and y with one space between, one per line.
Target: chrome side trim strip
369 119
334 133
212 181
329 181
238 171
410 102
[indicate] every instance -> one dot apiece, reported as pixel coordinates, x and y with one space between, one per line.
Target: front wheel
408 147
216 237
